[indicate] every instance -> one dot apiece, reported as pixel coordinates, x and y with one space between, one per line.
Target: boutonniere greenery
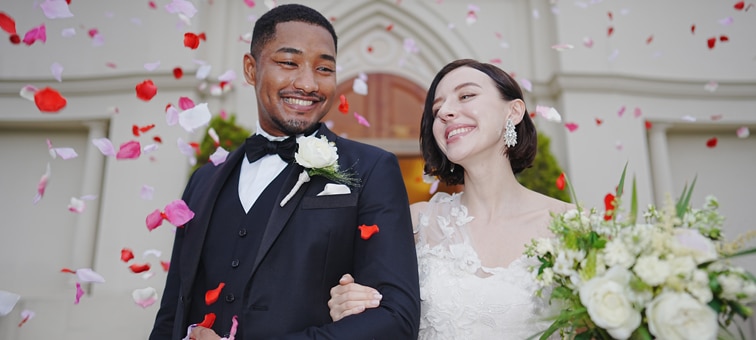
319 157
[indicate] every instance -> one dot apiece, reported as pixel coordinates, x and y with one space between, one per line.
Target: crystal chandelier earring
510 135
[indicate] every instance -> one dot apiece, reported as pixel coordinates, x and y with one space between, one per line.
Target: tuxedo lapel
190 252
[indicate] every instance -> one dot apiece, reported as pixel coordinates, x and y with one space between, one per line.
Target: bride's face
469 115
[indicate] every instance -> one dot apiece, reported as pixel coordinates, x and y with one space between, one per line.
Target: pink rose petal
621 111
185 103
42 185
637 112
154 220
249 3
66 153
129 150
55 9
588 42
147 192
571 126
105 146
27 92
526 84
219 156
743 132
76 205
178 213
34 34
361 120
79 293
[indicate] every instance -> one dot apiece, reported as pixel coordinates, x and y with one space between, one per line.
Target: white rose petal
674 315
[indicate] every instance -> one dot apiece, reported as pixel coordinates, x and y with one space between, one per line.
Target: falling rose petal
166 265
146 192
8 300
42 185
7 23
648 125
34 34
711 42
129 150
112 110
89 275
152 252
343 105
726 21
191 40
495 61
178 73
208 321
637 112
434 187
152 66
560 181
471 18
49 100
105 146
68 32
178 213
195 117
724 38
203 71
410 46
171 116
27 92
76 205
182 7
219 156
150 148
227 76
144 297
79 293
549 113
55 9
618 145
185 103
249 3
26 315
599 122
214 135
743 132
711 86
185 148
367 231
609 31
571 126
711 142
361 120
211 296
98 39
359 86
66 153
649 39
688 118
146 90
614 55
621 111
609 206
127 255
154 220
562 47
57 71
526 84
137 268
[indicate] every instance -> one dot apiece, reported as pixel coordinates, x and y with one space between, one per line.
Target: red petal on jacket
208 321
146 90
49 100
212 295
367 231
191 40
126 255
139 268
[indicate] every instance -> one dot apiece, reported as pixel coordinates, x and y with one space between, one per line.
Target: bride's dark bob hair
520 156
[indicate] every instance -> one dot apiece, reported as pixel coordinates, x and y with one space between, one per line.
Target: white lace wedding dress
461 299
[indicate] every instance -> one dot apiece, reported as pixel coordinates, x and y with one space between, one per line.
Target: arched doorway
392 108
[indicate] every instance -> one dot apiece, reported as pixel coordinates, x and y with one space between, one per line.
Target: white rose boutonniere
319 157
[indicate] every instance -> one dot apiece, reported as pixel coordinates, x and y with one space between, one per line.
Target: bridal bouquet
662 275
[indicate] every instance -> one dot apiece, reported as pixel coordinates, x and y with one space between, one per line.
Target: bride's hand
348 298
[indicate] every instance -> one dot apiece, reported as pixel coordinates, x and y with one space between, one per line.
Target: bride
474 278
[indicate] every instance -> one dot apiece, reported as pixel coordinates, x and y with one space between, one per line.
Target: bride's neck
491 191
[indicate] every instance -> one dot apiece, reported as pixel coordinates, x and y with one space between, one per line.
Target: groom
271 265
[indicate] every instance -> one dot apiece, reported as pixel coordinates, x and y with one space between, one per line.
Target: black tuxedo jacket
307 246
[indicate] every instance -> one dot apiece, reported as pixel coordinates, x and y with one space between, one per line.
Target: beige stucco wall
665 79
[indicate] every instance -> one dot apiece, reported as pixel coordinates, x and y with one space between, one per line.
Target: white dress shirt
255 177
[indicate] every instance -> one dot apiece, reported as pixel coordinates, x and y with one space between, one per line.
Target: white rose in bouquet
316 153
606 299
674 315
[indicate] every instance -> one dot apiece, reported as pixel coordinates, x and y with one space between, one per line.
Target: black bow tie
258 146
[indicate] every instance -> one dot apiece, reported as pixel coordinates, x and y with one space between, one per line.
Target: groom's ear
516 110
249 69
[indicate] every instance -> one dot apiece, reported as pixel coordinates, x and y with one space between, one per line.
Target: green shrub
230 134
542 176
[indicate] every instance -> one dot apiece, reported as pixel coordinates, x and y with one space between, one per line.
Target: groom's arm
386 261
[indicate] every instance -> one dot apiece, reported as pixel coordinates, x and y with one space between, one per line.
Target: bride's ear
516 110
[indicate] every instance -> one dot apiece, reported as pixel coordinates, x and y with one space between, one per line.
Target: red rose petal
649 39
157 139
739 5
693 29
609 31
7 23
15 39
208 321
126 255
135 130
648 125
560 182
202 36
724 38
178 73
166 265
609 206
344 105
712 142
146 90
49 100
389 27
139 268
367 231
66 270
212 295
599 121
146 128
711 42
191 40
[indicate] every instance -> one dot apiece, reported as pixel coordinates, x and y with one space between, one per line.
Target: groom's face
294 78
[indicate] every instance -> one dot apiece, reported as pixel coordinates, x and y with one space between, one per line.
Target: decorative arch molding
363 24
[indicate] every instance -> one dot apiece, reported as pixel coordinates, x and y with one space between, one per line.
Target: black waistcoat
229 251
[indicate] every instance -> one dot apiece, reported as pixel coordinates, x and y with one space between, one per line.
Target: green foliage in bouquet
230 134
541 177
665 277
